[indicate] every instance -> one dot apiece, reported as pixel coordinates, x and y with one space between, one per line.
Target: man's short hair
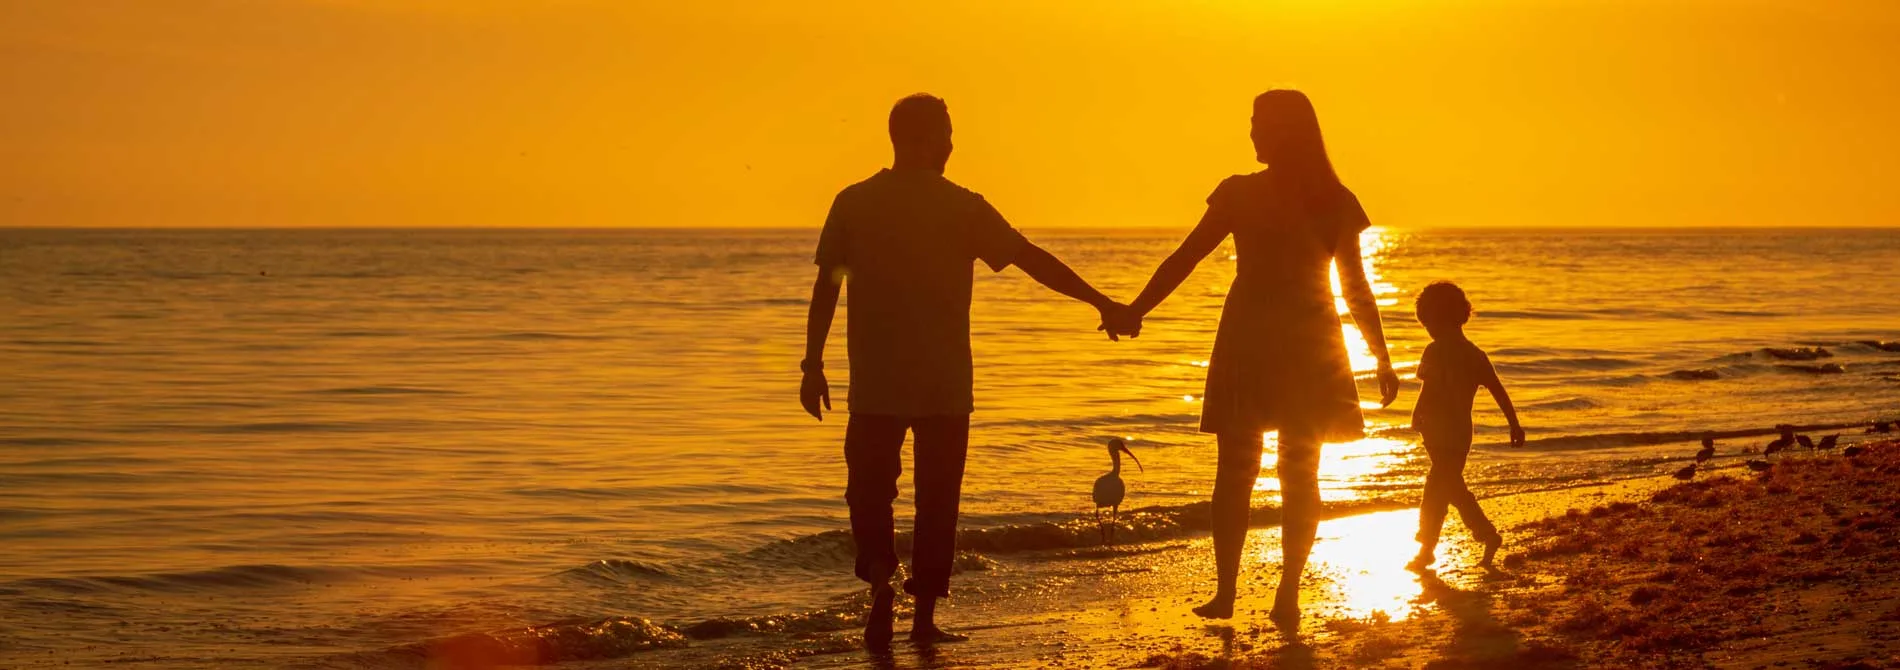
918 116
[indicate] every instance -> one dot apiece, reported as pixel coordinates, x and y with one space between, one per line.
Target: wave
1696 374
233 577
1797 353
1643 438
384 390
1819 369
1568 364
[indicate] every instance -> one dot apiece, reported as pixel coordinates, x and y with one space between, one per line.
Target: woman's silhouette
1279 359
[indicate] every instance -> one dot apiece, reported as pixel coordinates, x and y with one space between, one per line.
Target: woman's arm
1207 236
1365 308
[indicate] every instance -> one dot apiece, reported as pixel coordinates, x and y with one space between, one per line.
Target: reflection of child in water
1452 369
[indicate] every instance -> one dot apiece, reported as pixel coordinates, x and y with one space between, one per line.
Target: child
1452 370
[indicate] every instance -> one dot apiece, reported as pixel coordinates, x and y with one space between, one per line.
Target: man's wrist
811 365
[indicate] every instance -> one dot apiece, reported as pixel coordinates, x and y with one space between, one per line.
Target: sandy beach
1798 566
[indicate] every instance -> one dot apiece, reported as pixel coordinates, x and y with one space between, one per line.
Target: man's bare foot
1221 607
1286 618
877 625
931 634
1491 545
1421 562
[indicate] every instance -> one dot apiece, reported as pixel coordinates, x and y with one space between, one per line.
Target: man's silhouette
905 240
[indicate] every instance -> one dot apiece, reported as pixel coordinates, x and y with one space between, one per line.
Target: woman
1279 360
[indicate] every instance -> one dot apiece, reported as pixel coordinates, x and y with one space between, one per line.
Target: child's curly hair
1443 303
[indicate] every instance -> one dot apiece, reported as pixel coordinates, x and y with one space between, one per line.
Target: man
906 238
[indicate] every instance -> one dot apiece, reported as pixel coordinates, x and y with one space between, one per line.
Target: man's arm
1050 271
824 304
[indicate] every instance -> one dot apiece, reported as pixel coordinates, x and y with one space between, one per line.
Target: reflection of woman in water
1279 359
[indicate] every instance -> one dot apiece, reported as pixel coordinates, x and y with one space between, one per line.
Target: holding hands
1118 320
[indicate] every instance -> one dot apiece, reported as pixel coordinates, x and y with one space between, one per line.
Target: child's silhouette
1452 370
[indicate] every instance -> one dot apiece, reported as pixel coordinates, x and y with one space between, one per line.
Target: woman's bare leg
1299 519
1238 469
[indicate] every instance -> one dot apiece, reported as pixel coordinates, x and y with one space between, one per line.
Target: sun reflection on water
1345 468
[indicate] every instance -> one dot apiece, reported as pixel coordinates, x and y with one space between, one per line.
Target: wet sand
1799 565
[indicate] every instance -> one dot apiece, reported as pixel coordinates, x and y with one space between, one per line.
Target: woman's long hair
1287 138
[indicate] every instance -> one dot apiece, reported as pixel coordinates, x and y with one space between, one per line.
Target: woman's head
1286 136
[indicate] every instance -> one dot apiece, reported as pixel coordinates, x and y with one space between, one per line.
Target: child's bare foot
1421 562
931 634
1491 545
1221 607
877 625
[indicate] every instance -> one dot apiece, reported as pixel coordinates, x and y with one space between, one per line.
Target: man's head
1442 308
920 131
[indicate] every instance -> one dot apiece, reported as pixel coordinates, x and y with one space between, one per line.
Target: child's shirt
1452 371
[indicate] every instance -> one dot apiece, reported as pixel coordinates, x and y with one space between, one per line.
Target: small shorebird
1759 466
1109 489
1829 441
1686 473
1708 441
1881 427
1707 452
1779 444
1853 451
1805 442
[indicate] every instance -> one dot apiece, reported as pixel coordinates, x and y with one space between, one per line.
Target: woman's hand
1388 384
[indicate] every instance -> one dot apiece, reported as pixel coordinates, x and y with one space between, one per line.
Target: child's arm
1503 398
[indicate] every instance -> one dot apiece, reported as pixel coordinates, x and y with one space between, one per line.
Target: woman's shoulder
1238 188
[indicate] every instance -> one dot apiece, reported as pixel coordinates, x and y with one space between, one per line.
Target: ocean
337 448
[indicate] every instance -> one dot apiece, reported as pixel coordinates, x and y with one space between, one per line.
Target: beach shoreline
1128 605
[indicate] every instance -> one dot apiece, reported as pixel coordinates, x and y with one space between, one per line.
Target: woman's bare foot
1221 607
1421 562
931 634
877 625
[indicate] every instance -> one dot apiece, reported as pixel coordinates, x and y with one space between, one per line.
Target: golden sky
1068 113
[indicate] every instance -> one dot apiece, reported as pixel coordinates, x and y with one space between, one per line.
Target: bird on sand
1686 473
1881 427
1707 452
1853 451
1829 441
1806 443
1708 441
1759 465
1779 444
1109 489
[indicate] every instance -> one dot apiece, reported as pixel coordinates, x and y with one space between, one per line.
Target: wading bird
1853 451
1829 441
1707 452
1109 488
1779 444
1806 443
1759 466
1686 473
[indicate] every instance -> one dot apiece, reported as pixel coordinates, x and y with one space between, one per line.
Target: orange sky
1086 113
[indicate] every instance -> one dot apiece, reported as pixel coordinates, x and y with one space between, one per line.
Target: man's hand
1388 384
813 390
1118 319
1517 435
